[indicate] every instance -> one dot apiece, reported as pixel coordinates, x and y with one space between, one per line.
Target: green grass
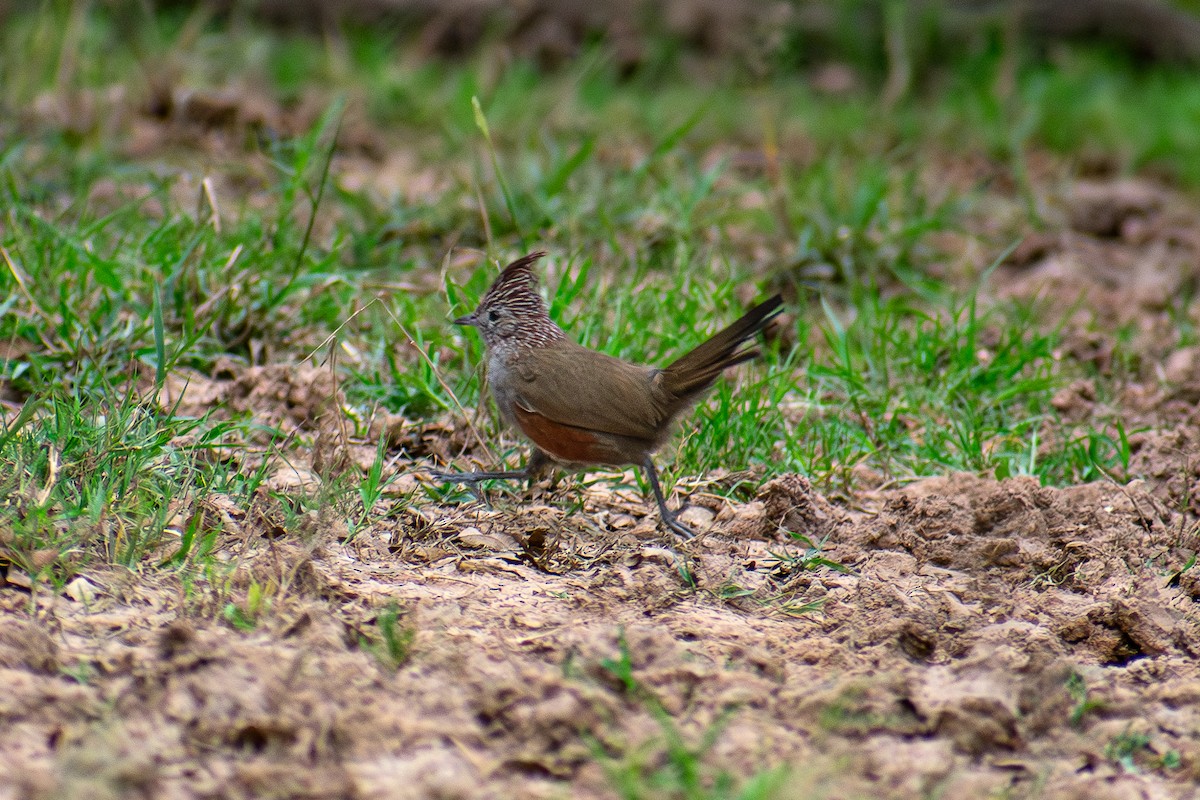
113 278
928 391
91 477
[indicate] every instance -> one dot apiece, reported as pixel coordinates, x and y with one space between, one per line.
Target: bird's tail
694 372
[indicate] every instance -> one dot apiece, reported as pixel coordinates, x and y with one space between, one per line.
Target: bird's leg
532 470
669 517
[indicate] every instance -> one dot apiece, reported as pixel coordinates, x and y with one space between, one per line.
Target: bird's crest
515 283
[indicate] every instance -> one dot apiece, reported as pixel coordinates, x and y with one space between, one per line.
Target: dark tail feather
697 370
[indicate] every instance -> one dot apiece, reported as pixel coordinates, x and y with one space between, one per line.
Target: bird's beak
469 319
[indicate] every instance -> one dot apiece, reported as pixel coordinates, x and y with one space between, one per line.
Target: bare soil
992 637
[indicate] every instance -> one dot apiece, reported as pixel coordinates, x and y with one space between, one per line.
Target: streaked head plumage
512 313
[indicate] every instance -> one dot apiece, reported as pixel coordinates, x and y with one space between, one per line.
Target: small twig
900 480
51 477
338 330
341 415
19 277
203 309
208 193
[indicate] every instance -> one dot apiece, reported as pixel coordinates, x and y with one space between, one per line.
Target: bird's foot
475 478
472 479
671 520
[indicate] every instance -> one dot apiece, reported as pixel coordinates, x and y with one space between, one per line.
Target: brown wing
571 385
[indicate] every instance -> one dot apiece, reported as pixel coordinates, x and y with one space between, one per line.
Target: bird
579 407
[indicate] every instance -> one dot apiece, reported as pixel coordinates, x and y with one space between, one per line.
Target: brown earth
991 639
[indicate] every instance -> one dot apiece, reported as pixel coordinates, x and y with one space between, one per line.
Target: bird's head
512 312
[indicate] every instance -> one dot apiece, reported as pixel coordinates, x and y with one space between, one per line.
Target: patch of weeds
1084 705
621 667
1123 748
787 564
429 378
331 503
392 642
196 543
781 567
236 616
794 609
862 224
1177 575
371 485
91 476
197 568
729 590
1079 97
923 390
669 766
1133 751
81 672
854 712
245 615
97 293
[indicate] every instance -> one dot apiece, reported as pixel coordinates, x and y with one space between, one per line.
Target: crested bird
579 407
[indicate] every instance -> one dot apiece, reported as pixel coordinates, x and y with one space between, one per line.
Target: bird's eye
493 315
